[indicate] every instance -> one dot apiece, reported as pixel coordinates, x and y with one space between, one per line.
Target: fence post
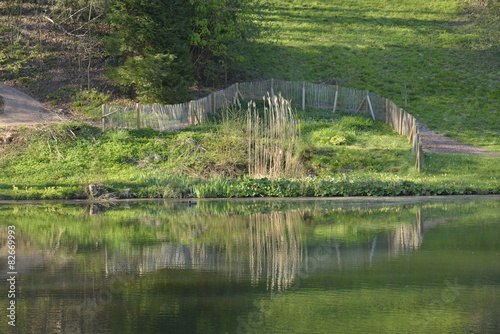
103 108
369 104
366 98
185 112
336 98
236 93
272 90
400 125
420 156
212 96
303 95
138 111
418 153
192 110
386 111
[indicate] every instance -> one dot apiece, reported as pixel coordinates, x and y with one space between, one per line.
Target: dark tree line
158 48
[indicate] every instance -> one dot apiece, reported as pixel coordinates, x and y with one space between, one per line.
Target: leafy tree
155 77
200 35
151 33
216 27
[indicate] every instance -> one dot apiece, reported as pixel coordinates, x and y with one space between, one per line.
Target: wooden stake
336 98
212 96
419 153
236 100
386 111
366 97
138 110
400 125
304 95
103 108
193 111
272 89
370 105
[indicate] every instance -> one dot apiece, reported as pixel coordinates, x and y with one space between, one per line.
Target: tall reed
273 138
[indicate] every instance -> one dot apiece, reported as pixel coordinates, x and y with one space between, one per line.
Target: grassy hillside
438 58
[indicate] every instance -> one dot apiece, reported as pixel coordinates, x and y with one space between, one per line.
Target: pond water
406 265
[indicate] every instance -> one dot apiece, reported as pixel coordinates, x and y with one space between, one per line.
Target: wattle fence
302 94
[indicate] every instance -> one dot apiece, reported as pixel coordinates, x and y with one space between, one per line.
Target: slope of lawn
438 59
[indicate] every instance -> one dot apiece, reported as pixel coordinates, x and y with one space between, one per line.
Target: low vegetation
338 154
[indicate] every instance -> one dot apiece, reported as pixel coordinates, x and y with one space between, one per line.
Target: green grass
211 161
429 57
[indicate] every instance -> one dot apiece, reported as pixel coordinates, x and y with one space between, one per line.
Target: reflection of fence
304 94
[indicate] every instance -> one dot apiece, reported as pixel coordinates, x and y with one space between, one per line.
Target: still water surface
427 265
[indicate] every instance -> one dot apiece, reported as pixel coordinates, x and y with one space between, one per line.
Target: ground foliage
62 161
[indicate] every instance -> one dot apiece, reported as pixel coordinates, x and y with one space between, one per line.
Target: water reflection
264 247
268 247
407 237
196 268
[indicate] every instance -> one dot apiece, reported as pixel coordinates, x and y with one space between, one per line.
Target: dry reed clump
273 139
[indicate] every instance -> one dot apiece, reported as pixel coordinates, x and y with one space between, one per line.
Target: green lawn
341 155
429 57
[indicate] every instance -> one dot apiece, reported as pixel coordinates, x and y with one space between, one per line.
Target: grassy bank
339 155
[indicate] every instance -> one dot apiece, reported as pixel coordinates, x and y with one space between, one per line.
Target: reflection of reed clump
263 246
407 237
275 248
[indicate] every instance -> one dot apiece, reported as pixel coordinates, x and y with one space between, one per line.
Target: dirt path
437 143
21 109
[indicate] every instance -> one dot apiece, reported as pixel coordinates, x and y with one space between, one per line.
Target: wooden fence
302 94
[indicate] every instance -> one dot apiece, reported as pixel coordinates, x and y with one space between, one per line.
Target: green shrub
155 78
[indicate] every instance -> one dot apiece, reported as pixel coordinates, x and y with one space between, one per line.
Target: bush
155 78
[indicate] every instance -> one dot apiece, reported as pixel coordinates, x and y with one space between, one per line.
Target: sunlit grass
341 154
428 56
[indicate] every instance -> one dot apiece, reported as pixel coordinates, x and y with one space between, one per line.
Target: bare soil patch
21 109
438 143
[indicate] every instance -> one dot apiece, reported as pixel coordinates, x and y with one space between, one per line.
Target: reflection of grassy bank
220 224
127 252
